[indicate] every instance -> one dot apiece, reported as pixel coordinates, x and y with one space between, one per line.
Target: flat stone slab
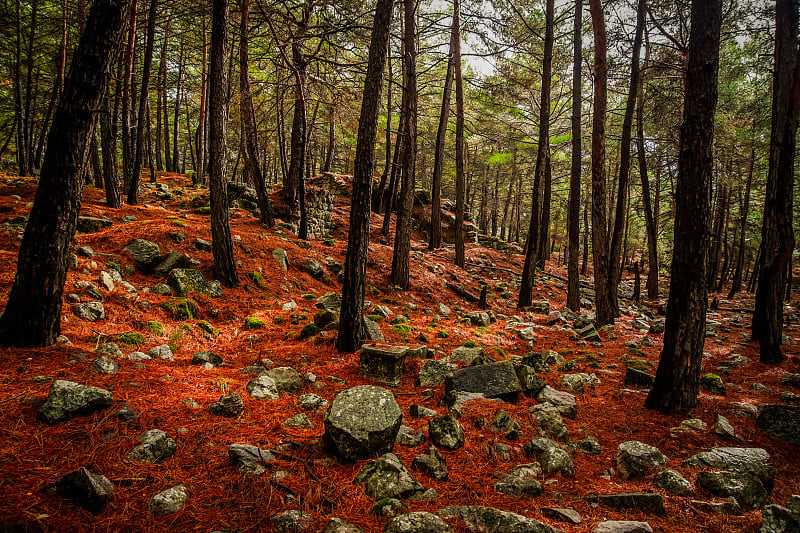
623 526
493 380
382 363
753 460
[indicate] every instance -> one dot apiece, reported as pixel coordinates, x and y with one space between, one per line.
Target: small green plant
375 318
403 330
180 308
130 338
442 334
257 278
252 322
469 344
153 327
593 360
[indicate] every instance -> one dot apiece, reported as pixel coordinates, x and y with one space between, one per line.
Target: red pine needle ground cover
305 475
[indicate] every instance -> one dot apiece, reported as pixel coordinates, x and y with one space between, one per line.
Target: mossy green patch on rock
637 364
442 334
153 327
375 318
208 328
309 297
567 366
257 278
308 331
637 352
203 210
252 322
180 308
130 338
469 344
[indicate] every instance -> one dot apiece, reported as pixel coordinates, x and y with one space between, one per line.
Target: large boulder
490 520
753 460
493 380
185 280
361 422
647 502
387 477
418 522
636 459
146 255
435 372
745 487
89 311
68 399
781 422
446 432
565 402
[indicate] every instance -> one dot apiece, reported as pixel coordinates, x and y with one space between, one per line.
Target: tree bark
32 314
221 244
127 99
736 283
574 208
200 166
176 116
460 175
352 330
777 234
677 379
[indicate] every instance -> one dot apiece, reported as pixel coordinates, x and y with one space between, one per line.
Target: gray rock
431 463
472 356
202 245
91 491
579 382
752 460
420 411
623 526
387 477
299 420
443 310
385 364
249 459
337 525
551 424
111 349
146 255
383 311
126 413
172 260
518 486
162 351
162 289
168 501
570 516
282 258
156 446
446 432
228 405
490 520
294 521
552 458
262 387
89 311
479 318
185 280
781 422
434 372
713 384
588 445
565 402
330 300
541 307
636 459
68 399
673 482
106 281
138 356
779 519
529 380
92 224
745 487
493 380
724 507
104 365
309 402
314 268
361 422
658 326
203 357
791 380
325 317
408 437
724 428
374 332
417 522
589 333
647 502
637 378
287 380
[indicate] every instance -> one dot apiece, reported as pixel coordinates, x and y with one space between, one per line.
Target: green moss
402 329
469 344
499 351
205 210
375 318
153 327
567 366
637 352
180 308
399 320
252 322
257 278
278 320
309 297
442 334
711 377
130 338
208 328
637 364
329 242
308 331
566 352
179 223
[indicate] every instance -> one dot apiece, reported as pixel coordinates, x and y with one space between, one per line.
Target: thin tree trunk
574 209
22 160
200 166
127 98
736 283
460 155
176 116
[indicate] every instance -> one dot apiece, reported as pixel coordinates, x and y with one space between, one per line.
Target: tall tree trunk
649 217
776 233
736 283
352 330
389 112
108 141
162 105
22 159
33 312
221 244
438 153
142 122
585 259
621 211
200 166
715 253
544 222
127 99
678 376
27 120
58 85
600 254
176 116
402 240
248 118
460 156
574 209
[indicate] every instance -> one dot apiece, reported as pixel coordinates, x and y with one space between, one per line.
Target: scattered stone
724 428
446 432
361 422
562 515
518 486
443 310
417 522
589 446
623 526
89 311
636 459
673 482
156 446
745 487
490 520
91 491
104 365
541 307
779 519
291 305
479 318
753 460
185 280
308 331
162 289
168 501
138 356
472 356
325 317
309 402
493 380
337 525
578 383
294 521
781 422
713 383
431 463
658 326
110 349
382 363
92 224
408 437
565 402
420 411
387 477
162 351
588 333
202 245
744 409
282 258
374 332
551 424
146 255
68 399
529 380
300 420
249 459
552 458
106 281
726 507
203 357
434 372
647 502
228 405
791 380
287 380
330 300
637 378
314 269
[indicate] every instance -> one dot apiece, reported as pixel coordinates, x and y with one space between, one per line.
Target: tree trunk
22 160
221 245
574 209
352 330
736 283
649 217
585 259
162 106
200 166
678 376
776 233
604 310
715 253
33 312
109 145
402 240
176 116
460 176
127 99
94 157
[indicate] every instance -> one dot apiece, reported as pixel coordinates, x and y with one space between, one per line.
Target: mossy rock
252 322
208 328
469 344
637 352
713 384
567 366
637 364
308 331
130 338
442 334
205 210
499 351
329 242
309 297
398 320
257 278
153 327
180 308
179 223
375 318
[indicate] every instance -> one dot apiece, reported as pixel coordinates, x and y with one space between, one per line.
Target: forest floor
33 454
